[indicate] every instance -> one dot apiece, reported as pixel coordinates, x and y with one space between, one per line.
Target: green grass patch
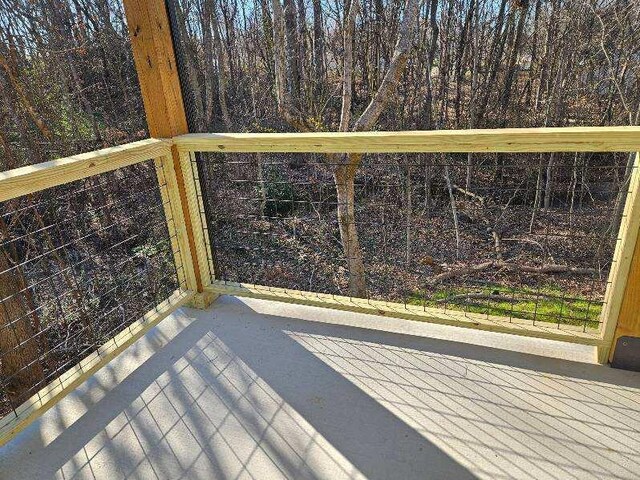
546 304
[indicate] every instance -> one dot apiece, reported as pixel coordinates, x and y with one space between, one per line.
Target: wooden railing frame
508 140
187 225
156 65
622 305
478 321
47 397
499 140
196 214
31 179
25 180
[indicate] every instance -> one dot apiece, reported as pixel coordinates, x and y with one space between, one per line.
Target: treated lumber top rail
30 179
547 139
33 178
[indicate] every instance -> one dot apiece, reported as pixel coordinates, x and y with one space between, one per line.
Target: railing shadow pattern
245 394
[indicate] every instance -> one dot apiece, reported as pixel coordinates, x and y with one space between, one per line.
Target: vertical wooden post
629 318
156 66
621 313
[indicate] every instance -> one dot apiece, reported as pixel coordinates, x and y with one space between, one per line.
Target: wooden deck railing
190 243
506 140
31 179
510 140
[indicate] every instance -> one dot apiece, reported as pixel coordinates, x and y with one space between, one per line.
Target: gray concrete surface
255 389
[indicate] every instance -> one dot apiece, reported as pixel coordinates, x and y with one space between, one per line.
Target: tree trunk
344 178
408 212
427 187
463 44
454 210
302 45
428 103
347 71
474 94
222 73
512 59
24 99
290 113
318 45
20 366
548 186
387 90
292 46
495 54
209 62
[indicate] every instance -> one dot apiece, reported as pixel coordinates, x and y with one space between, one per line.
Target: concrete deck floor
254 389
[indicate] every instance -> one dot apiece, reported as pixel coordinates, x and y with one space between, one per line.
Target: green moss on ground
544 304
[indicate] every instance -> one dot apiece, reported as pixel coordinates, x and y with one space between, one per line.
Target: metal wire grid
531 237
80 263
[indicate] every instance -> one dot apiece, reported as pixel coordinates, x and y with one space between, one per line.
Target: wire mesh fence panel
526 236
78 264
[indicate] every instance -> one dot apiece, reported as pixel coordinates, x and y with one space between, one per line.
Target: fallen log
479 296
466 192
544 269
552 268
456 272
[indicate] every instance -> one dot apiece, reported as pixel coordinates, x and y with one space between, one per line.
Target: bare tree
345 167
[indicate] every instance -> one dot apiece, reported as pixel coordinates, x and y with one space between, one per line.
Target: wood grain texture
38 404
196 217
620 307
551 139
477 321
176 225
155 62
156 65
629 318
628 323
23 181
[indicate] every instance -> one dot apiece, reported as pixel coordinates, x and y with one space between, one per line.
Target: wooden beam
31 179
176 224
540 329
554 139
155 61
197 217
629 318
622 302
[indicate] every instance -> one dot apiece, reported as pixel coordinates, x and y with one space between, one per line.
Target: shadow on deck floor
243 391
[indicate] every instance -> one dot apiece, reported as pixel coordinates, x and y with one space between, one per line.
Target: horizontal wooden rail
23 181
549 139
538 329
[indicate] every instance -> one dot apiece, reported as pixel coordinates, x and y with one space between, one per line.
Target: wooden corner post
625 345
154 57
621 314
